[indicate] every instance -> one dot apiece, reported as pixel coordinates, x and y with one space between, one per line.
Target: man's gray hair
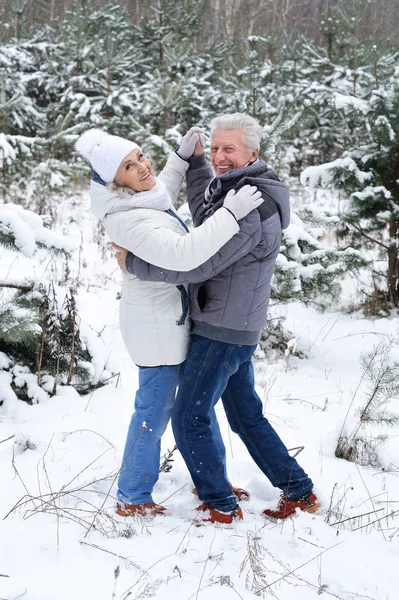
251 130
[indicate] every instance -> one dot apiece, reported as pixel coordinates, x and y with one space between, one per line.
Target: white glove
189 140
244 201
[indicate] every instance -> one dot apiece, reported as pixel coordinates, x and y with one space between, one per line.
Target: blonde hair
121 190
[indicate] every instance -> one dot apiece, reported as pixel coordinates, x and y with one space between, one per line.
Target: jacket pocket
201 297
184 305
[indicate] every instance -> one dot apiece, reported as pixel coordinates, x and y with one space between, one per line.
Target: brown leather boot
287 508
143 510
212 515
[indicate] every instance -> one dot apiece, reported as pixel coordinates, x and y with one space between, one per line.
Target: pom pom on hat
104 152
88 140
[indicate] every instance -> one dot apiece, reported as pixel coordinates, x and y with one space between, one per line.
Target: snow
305 399
59 460
342 101
323 174
28 230
370 192
383 122
23 378
8 398
5 362
310 271
24 237
7 151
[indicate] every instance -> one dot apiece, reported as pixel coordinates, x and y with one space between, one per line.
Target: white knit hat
104 152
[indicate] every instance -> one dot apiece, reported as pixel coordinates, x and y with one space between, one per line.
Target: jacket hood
264 178
102 199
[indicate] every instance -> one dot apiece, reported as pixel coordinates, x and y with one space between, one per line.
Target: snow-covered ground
59 459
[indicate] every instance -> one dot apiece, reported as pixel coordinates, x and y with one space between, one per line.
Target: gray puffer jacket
229 294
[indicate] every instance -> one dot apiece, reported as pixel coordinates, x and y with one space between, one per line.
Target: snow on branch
342 101
323 175
283 122
23 230
23 286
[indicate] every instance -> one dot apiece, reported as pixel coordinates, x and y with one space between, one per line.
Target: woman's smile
136 172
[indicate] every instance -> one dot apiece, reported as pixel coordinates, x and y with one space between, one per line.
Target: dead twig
128 592
17 472
356 517
88 431
371 500
223 580
298 449
63 492
193 522
307 541
83 470
114 480
9 438
203 570
173 493
377 521
124 558
300 567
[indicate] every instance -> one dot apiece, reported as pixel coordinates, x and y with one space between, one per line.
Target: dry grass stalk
127 562
256 576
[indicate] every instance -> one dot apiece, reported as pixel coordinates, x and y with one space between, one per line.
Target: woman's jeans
216 370
153 406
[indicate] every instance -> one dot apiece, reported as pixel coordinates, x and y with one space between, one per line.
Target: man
229 295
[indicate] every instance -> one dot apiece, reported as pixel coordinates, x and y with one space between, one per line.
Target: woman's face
136 172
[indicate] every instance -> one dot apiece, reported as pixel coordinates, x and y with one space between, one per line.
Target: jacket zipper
181 288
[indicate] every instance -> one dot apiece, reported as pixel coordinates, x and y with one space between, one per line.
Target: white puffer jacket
150 312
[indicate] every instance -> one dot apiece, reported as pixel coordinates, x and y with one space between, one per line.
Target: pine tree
365 431
368 174
181 86
18 8
20 118
307 269
38 338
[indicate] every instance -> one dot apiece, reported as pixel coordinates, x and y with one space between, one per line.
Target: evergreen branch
17 286
166 465
372 357
11 102
360 230
363 414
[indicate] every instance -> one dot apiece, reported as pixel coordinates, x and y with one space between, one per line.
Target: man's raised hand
192 143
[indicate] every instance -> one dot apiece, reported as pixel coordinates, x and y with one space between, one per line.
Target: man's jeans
212 370
153 406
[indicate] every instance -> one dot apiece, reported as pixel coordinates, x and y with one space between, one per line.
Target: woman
137 211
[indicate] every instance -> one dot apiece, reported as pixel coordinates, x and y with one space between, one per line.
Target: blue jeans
212 370
153 406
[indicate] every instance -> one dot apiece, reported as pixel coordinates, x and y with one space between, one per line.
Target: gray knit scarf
157 198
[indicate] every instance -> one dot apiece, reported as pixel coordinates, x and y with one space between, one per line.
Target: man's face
228 151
